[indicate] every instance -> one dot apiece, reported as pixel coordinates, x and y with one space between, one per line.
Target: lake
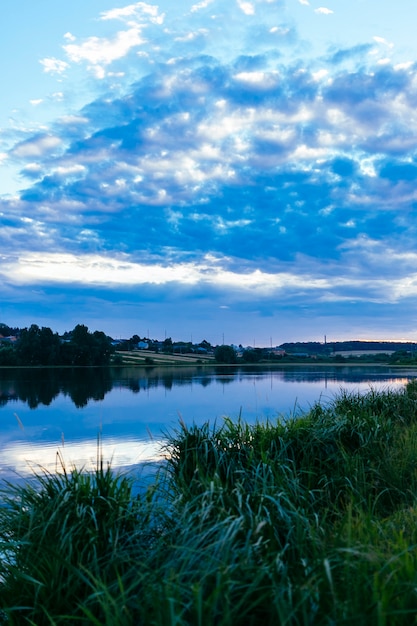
46 411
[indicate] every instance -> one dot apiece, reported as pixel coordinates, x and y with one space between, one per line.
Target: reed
309 520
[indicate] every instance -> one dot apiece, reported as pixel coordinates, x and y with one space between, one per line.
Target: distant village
301 349
41 346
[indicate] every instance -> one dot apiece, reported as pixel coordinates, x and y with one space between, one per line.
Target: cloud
54 66
383 41
138 10
323 11
210 280
230 168
247 8
36 146
98 51
201 5
100 270
32 170
70 120
199 165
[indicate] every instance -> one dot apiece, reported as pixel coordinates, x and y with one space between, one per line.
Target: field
305 521
144 357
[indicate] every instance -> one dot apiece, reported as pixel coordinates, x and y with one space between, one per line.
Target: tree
85 348
225 354
167 345
81 345
7 355
252 355
7 331
38 346
102 348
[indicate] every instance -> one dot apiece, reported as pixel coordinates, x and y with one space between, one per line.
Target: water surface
48 411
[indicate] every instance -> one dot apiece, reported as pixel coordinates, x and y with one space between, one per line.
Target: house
10 339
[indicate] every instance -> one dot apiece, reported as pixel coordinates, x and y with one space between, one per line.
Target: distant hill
315 347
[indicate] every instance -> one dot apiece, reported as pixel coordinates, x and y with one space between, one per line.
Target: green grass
310 520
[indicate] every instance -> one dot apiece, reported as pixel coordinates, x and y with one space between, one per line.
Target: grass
306 521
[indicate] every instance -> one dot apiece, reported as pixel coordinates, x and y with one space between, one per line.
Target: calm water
43 411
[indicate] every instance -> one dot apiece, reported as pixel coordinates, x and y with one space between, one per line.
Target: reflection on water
36 386
46 410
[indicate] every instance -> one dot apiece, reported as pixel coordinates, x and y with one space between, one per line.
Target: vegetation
225 354
304 521
40 346
253 355
329 347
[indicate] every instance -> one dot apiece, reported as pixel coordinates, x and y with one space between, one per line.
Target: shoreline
260 365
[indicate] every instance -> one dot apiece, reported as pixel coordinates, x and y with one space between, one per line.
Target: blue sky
220 168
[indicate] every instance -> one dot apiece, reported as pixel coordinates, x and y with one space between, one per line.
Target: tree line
41 346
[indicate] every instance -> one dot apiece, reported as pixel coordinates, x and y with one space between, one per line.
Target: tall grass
64 537
305 521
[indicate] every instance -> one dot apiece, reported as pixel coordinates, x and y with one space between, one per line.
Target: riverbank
307 521
147 358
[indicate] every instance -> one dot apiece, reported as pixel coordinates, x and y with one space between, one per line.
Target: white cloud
201 5
247 7
69 37
323 11
406 65
104 51
34 268
36 102
72 119
280 30
305 2
53 66
265 80
305 153
320 74
32 169
192 35
99 270
36 147
135 10
383 41
70 170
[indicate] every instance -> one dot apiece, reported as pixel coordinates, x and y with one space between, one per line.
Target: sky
240 171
